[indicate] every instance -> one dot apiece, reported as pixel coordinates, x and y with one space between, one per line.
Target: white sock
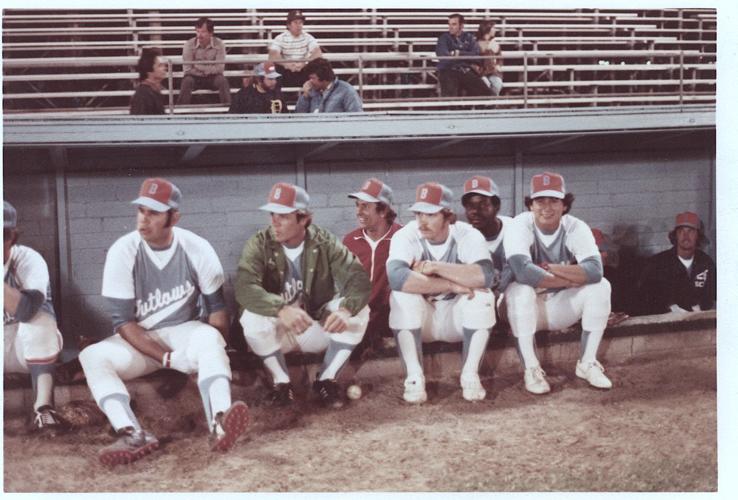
220 394
338 361
592 343
409 352
477 345
119 413
527 348
278 374
44 390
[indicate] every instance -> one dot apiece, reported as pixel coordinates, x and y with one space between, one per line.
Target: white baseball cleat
415 389
593 373
471 387
535 380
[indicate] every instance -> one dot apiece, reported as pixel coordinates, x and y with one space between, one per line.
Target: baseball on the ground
353 391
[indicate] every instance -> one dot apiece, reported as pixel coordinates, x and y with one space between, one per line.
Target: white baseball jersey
27 270
294 47
572 242
464 245
160 288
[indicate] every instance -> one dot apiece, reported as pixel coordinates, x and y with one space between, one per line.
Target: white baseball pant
266 335
37 341
109 362
529 312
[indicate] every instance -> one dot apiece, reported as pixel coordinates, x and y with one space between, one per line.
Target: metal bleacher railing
551 58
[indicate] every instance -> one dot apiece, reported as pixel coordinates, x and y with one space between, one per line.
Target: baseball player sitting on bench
286 287
558 280
153 280
440 273
32 340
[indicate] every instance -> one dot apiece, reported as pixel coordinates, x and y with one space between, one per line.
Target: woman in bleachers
491 68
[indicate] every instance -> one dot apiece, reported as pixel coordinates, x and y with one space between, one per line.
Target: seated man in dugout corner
682 278
261 94
558 280
32 340
440 273
370 242
200 69
148 99
288 275
297 46
157 282
324 92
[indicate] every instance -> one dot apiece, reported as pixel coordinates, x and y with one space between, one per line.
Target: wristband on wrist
166 360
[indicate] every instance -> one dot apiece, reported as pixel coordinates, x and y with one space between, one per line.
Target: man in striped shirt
297 46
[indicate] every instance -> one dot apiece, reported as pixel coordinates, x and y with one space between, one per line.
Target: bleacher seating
67 61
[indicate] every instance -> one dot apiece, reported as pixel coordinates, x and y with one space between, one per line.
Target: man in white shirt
558 280
440 273
297 47
154 282
32 340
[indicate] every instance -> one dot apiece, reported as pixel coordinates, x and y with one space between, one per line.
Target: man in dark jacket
262 94
147 100
457 75
300 289
682 278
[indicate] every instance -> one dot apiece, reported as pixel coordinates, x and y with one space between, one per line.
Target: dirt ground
656 430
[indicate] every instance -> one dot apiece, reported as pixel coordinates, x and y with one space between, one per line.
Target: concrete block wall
631 196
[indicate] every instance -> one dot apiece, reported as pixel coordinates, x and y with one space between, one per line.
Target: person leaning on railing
456 76
490 68
148 100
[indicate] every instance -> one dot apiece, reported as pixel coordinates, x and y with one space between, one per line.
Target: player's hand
178 361
337 321
616 318
294 319
462 290
306 88
424 267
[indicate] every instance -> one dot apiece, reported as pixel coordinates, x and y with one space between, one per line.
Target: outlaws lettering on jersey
158 299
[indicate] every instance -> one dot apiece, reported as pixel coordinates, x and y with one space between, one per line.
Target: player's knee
91 357
406 310
405 301
255 326
599 292
478 312
520 299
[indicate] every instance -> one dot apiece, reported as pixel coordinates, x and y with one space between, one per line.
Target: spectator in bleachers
261 94
296 45
682 278
325 93
199 71
490 68
457 76
148 100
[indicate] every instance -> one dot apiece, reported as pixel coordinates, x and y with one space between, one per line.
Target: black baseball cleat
329 393
47 420
282 395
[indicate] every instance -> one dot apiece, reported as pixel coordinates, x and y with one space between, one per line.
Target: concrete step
635 338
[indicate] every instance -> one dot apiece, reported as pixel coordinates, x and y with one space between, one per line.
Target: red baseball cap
431 198
374 191
158 194
285 198
547 184
689 219
481 185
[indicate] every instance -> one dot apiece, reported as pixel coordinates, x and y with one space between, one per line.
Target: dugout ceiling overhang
201 140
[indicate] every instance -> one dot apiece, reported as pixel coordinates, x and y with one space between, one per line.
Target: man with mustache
681 278
288 275
440 273
558 280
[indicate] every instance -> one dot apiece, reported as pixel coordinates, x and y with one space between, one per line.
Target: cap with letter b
480 184
285 198
158 194
374 191
431 198
547 184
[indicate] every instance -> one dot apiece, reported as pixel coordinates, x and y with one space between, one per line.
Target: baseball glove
82 413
